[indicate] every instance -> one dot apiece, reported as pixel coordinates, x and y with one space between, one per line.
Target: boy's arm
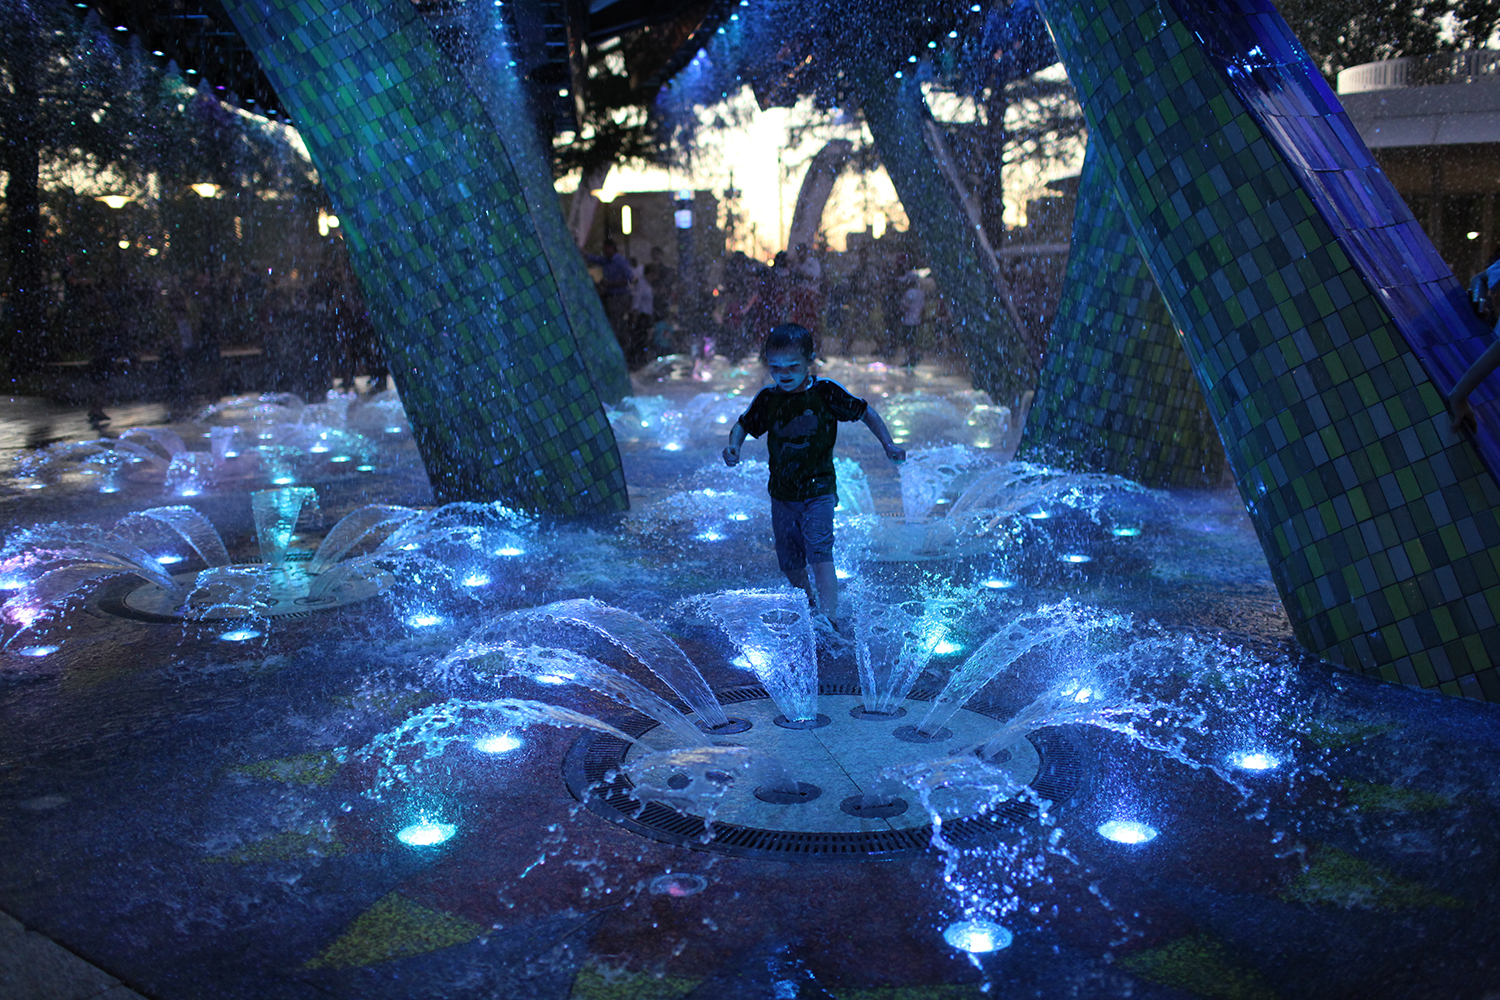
1458 399
872 420
732 450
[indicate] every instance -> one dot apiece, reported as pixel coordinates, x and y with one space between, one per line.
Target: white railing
1417 71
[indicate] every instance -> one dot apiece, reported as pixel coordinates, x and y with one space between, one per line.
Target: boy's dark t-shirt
803 427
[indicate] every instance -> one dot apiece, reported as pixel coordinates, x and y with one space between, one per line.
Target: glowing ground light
739 516
500 743
1126 532
1039 515
278 481
168 560
977 936
997 584
1124 831
38 650
426 834
842 574
678 885
946 648
1254 761
340 458
476 580
710 536
364 468
240 635
671 446
423 619
509 551
36 486
1075 558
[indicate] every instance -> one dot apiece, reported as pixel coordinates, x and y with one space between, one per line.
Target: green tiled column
1281 260
452 266
1116 393
1000 361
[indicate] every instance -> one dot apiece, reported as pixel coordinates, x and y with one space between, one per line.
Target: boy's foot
825 628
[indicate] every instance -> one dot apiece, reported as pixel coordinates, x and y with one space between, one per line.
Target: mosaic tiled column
453 270
1116 393
1310 302
1000 360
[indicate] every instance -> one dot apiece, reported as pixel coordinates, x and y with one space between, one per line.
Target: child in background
800 412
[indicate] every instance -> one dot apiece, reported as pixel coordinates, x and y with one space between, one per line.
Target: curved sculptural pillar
1310 303
1001 360
452 266
1116 393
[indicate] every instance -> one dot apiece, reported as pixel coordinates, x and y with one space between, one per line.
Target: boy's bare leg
827 578
798 579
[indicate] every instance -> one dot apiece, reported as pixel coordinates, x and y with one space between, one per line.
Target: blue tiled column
453 268
1116 393
1321 323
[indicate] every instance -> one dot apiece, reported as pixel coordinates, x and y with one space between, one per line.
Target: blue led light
977 937
426 834
1124 831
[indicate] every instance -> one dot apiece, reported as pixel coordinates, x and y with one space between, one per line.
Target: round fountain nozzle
873 806
860 712
911 734
786 797
734 725
817 722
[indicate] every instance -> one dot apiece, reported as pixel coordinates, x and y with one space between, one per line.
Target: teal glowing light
340 458
995 583
1126 532
477 580
423 619
1039 515
499 743
842 574
509 551
978 937
1124 831
240 635
364 468
945 648
739 516
426 834
1075 558
710 536
38 650
278 481
1255 761
168 560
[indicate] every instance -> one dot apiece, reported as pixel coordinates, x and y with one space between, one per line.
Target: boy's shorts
803 530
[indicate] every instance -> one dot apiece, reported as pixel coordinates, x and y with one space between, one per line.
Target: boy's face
790 368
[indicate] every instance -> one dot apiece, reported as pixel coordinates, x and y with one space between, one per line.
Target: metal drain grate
594 774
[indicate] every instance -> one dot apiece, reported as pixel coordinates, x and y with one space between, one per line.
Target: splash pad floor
182 811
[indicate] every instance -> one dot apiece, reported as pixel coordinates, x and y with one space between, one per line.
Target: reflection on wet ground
28 422
198 812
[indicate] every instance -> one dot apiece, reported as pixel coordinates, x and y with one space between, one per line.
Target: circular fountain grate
595 774
140 600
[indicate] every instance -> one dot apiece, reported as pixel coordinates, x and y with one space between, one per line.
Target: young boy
800 412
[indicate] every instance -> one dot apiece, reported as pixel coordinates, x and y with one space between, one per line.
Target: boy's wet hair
790 335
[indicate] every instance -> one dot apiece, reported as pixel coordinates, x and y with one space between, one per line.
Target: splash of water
276 513
642 640
773 631
564 666
1022 634
894 643
190 525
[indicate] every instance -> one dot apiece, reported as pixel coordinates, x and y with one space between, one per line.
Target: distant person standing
642 320
616 289
807 290
913 302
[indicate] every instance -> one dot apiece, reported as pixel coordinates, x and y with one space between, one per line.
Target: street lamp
115 200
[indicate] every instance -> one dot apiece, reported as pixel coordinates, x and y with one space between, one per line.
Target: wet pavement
199 816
